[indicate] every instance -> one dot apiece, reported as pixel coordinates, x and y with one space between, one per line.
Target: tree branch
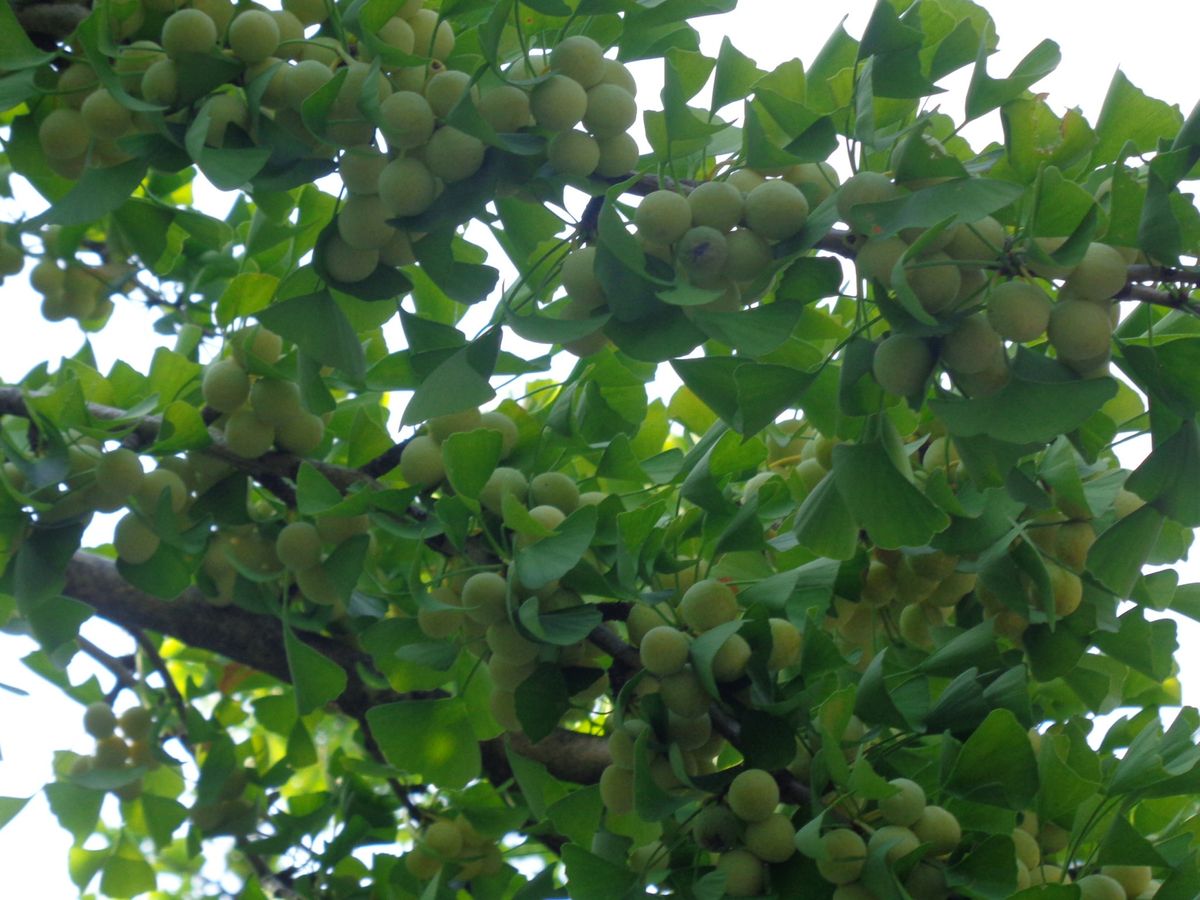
257 641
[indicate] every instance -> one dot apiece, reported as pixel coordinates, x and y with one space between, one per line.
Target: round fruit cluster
132 748
455 841
421 462
259 413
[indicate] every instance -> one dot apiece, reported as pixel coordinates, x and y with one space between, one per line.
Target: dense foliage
832 622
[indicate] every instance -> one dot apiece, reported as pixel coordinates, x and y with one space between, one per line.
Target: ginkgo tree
833 622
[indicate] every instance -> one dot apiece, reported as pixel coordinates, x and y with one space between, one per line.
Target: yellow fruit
664 650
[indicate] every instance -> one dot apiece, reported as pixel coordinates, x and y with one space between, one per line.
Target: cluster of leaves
833 620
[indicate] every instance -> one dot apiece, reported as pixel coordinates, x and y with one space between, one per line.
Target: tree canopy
422 612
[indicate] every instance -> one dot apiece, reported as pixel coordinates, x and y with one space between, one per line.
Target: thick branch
257 641
54 20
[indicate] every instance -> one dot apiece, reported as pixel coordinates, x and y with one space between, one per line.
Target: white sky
1152 41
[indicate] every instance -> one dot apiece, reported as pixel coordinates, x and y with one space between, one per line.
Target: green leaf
986 93
989 871
552 557
98 192
562 627
317 679
16 50
459 382
541 700
77 808
1026 411
1117 557
163 817
11 806
1035 137
736 75
1146 646
592 877
317 325
470 458
748 396
446 753
824 524
965 200
996 765
124 877
315 494
1128 115
892 510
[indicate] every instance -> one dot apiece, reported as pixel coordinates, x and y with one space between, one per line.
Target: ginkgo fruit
248 436
864 187
753 795
664 650
298 546
743 873
610 111
554 489
707 604
902 364
1100 275
1018 310
506 108
407 187
776 210
906 805
226 386
406 119
843 856
573 153
421 462
663 217
99 720
939 828
134 541
188 31
747 255
1079 330
558 103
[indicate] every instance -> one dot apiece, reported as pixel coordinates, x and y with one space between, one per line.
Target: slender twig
120 671
160 665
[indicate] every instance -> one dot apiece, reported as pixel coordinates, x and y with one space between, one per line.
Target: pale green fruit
105 117
99 720
362 222
226 386
619 155
432 36
253 35
1019 310
663 217
844 856
902 364
753 795
149 491
616 790
702 253
573 153
979 241
864 187
484 598
1134 879
716 828
134 540
498 421
729 663
785 644
707 604
817 181
160 83
558 103
900 840
225 110
579 58
275 401
1026 848
936 280
421 462
745 180
717 204
747 255
971 346
308 76
776 210
502 481
440 623
579 277
118 474
188 31
406 120
454 155
617 73
743 873
407 187
611 110
877 258
310 12
505 641
904 807
554 489
506 108
1100 275
1079 330
277 75
298 546
664 650
301 434
348 264
939 828
64 134
508 674
291 34
446 88
773 839
689 733
683 694
248 436
75 83
927 882
1100 887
